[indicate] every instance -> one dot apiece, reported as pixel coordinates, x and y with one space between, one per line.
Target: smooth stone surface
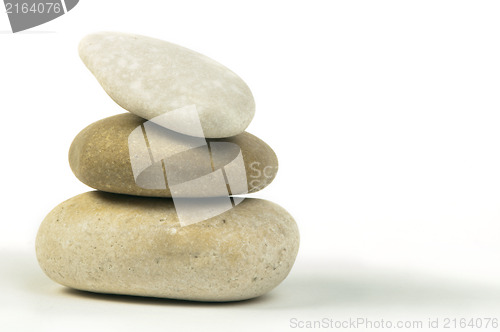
121 244
100 157
150 77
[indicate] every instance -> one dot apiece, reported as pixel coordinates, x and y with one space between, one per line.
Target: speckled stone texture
150 77
100 158
110 243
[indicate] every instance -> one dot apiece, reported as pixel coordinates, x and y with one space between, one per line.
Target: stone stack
168 218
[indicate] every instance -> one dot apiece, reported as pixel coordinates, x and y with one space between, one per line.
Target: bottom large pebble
118 244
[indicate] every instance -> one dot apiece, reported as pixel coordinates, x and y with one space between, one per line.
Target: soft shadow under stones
143 300
341 291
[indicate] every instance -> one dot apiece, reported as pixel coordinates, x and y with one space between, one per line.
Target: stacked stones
162 223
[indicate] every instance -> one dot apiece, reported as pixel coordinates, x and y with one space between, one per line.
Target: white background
385 117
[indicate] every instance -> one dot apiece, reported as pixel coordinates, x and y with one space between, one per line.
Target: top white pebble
150 77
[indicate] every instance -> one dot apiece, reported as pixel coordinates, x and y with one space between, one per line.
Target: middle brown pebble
101 157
